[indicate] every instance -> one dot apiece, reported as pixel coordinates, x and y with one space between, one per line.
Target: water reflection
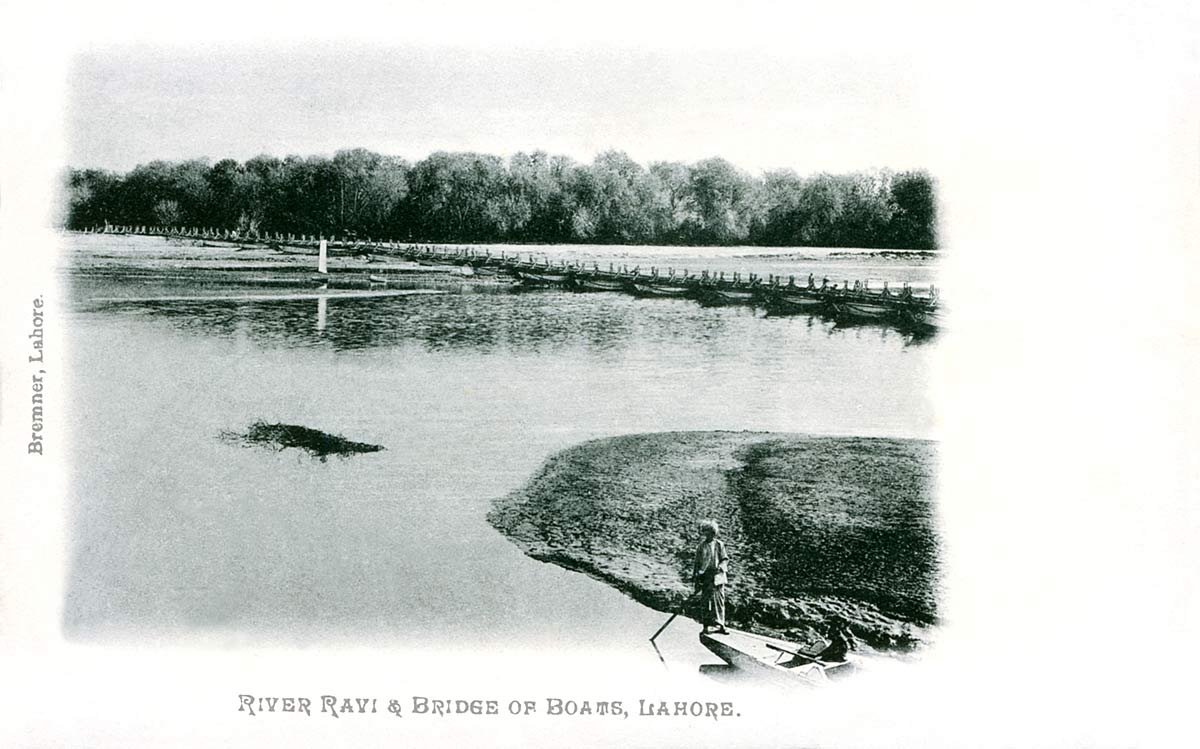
532 321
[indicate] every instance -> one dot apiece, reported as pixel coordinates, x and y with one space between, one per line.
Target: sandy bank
816 526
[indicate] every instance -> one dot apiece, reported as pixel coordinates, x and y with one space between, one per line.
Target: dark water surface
176 532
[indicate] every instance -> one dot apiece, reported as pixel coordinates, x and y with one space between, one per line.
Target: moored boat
584 283
922 315
545 278
774 659
647 288
796 300
728 295
864 307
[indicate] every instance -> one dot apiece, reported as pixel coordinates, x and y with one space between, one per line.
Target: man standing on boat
709 574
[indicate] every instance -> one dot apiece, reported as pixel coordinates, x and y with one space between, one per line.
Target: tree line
531 197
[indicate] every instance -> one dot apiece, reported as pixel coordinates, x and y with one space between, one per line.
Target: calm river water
176 533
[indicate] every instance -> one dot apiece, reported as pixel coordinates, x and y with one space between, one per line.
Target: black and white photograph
525 376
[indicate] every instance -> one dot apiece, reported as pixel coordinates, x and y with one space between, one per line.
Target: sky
135 103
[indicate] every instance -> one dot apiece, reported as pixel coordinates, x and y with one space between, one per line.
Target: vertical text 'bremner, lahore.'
38 337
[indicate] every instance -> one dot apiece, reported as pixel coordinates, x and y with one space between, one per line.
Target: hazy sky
134 104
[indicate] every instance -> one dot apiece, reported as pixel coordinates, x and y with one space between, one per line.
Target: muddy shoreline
816 526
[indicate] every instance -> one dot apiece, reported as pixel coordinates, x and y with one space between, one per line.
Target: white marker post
321 258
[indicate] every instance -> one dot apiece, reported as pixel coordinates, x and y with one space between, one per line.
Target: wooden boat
584 283
728 295
864 307
796 300
774 660
647 288
921 315
542 278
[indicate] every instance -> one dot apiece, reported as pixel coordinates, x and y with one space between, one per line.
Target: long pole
654 636
686 601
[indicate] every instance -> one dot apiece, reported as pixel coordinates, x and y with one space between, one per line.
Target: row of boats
918 309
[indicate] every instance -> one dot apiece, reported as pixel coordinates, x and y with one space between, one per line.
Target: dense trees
534 197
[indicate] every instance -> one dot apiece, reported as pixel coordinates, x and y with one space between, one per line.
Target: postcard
527 375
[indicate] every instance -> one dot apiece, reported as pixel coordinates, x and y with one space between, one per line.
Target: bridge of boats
915 308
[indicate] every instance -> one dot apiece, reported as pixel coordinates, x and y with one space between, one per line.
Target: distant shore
527 197
816 526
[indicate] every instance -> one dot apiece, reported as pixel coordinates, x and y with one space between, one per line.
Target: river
177 534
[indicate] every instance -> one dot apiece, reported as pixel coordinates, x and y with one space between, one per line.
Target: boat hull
542 279
864 309
592 284
770 659
798 302
645 289
728 296
923 317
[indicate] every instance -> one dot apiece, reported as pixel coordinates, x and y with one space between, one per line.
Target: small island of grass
816 526
316 443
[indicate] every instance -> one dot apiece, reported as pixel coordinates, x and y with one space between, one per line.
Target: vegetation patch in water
312 441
